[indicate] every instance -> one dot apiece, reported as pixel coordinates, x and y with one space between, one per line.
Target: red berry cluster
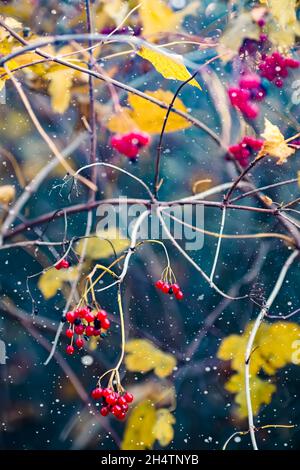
112 402
130 144
83 322
168 288
62 264
275 67
249 91
245 148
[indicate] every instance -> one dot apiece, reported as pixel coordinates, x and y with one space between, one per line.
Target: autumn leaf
103 245
157 17
171 66
261 393
143 356
7 194
147 116
163 428
138 433
283 12
275 144
60 88
52 280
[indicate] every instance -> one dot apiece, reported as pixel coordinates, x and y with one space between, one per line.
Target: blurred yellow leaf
7 194
157 17
143 356
138 432
275 144
60 89
171 66
261 393
12 23
52 280
98 247
116 10
282 11
163 429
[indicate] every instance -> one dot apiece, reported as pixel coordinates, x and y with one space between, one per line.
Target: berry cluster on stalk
246 148
275 67
168 285
83 324
112 402
130 144
250 90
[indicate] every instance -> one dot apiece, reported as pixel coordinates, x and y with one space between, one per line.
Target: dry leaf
163 428
143 356
283 12
60 88
52 280
101 246
275 144
171 66
138 432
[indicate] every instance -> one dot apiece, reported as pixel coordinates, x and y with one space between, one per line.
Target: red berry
97 332
70 349
124 407
81 312
79 343
128 397
89 331
175 288
122 401
97 393
89 317
62 264
104 410
101 315
179 295
105 323
69 333
79 329
106 392
121 415
70 317
116 410
165 288
159 284
111 399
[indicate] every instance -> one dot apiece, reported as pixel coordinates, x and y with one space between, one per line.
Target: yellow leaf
163 429
52 280
171 66
157 17
12 23
261 393
283 12
7 194
275 144
138 432
116 10
101 246
143 356
147 116
60 89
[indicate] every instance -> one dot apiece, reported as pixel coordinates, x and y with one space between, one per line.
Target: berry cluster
275 67
245 148
168 288
62 264
130 144
85 323
245 96
112 402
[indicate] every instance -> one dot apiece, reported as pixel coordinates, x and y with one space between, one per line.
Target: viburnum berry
69 333
101 315
105 324
89 317
62 264
275 67
165 288
79 343
97 393
245 148
79 329
122 400
104 411
70 316
159 284
112 399
89 331
116 410
106 392
169 288
97 332
81 312
128 397
130 143
70 349
175 288
179 295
